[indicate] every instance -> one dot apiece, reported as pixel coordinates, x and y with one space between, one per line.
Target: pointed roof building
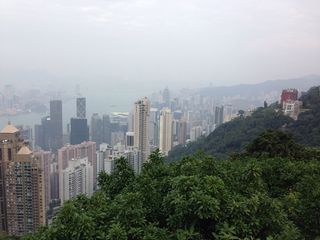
9 128
24 150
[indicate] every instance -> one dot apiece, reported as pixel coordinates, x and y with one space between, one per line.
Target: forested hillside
233 136
266 192
306 129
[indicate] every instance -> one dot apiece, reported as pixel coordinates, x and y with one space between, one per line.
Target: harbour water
117 101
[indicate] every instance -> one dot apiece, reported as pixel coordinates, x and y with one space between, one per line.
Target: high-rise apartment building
81 107
105 160
141 128
182 132
22 198
83 150
44 158
76 179
54 181
195 133
165 131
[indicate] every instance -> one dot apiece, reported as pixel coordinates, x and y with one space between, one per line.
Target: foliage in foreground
254 196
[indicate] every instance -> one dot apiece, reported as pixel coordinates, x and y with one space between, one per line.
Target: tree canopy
263 193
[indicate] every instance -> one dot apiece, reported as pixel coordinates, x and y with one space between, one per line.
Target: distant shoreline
14 114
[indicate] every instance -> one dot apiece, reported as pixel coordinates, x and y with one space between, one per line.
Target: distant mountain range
244 95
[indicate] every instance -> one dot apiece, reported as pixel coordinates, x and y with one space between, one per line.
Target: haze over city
159 119
146 44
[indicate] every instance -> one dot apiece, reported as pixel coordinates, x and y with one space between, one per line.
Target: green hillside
233 136
306 129
265 193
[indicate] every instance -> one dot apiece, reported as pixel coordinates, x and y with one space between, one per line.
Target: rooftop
9 128
24 150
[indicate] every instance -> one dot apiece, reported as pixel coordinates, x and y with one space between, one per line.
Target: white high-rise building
109 164
132 158
141 128
76 179
195 133
165 130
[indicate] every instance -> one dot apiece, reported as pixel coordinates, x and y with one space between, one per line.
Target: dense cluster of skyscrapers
38 176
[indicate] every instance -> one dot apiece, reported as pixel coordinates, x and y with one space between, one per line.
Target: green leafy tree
122 177
268 192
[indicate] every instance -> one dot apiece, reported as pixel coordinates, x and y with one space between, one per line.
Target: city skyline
159 119
66 171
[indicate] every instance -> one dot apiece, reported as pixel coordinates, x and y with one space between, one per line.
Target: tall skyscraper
44 159
182 132
141 128
106 129
22 201
42 134
54 181
96 129
79 131
166 97
165 131
154 127
81 107
56 130
132 157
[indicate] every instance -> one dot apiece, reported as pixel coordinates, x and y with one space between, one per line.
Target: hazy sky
154 43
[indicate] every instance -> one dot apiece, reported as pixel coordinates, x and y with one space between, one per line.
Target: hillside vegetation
266 192
234 136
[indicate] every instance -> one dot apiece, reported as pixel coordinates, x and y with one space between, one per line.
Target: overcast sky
154 43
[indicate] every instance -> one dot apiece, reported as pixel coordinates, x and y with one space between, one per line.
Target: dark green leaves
198 198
